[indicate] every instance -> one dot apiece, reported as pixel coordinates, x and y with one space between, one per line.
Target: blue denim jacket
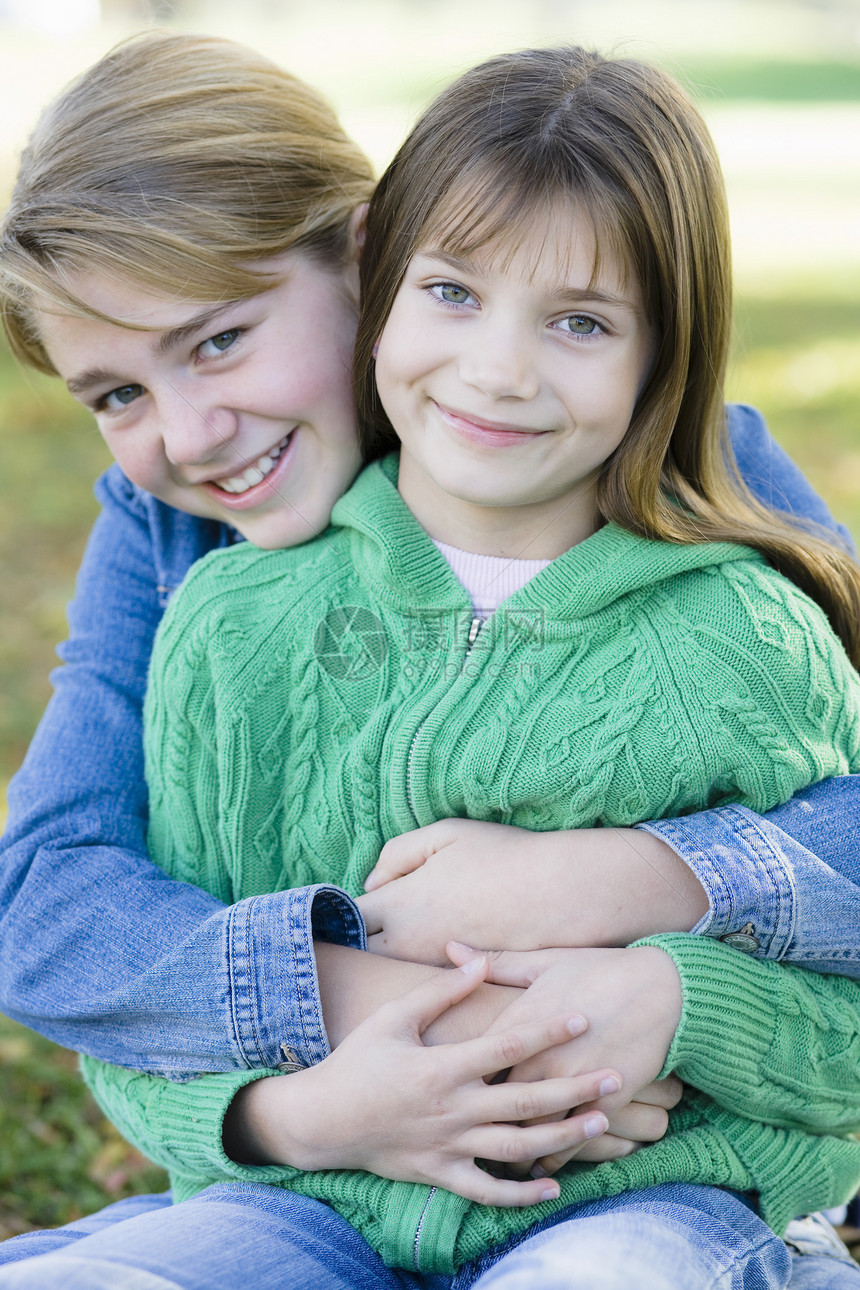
104 954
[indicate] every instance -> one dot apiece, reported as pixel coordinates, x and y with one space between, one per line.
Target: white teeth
256 473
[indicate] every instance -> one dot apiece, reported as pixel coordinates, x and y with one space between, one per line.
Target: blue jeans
673 1237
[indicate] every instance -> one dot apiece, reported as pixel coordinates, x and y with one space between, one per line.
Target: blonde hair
619 142
175 163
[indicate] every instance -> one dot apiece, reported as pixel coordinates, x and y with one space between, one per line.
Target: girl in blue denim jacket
83 823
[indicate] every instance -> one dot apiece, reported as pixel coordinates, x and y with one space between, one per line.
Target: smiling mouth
491 432
256 472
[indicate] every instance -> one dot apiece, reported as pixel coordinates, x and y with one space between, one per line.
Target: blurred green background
779 81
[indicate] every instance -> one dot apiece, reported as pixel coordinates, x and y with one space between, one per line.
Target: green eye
453 294
220 343
224 339
581 325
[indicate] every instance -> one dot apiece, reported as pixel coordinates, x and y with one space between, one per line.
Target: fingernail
473 965
576 1025
551 1193
610 1085
537 1172
461 945
595 1125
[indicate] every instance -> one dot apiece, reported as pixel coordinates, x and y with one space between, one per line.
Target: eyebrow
88 380
561 290
171 339
167 341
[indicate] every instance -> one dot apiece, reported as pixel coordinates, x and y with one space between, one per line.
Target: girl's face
510 378
240 412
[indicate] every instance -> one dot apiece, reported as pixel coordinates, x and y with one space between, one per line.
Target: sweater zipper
474 630
417 1242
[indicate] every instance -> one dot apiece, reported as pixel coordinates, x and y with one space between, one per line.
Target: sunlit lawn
798 359
59 1157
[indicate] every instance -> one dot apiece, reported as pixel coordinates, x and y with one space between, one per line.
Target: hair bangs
176 163
491 213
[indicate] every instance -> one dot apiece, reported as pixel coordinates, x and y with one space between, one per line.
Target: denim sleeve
785 885
99 950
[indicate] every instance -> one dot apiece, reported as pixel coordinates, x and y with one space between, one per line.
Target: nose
195 432
500 362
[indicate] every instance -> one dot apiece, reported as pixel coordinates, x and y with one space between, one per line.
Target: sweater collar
390 549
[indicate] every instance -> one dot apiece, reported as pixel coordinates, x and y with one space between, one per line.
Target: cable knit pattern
307 705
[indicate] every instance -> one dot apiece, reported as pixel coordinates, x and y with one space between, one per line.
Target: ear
358 227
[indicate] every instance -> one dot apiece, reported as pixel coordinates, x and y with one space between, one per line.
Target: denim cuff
748 879
276 1009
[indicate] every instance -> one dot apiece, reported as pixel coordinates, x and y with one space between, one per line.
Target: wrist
619 885
663 996
273 1122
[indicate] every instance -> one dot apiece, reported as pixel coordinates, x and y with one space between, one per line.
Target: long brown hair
175 162
621 142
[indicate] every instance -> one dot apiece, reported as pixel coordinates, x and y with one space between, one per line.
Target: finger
405 854
662 1092
505 967
370 908
466 1179
598 1150
377 944
420 1006
547 1102
511 1144
489 1054
639 1121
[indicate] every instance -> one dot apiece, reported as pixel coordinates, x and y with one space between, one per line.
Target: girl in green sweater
552 369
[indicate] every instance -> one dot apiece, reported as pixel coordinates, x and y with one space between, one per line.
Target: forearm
764 1040
353 985
618 886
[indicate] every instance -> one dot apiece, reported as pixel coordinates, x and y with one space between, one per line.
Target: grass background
784 113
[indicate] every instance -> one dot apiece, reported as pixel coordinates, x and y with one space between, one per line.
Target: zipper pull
474 629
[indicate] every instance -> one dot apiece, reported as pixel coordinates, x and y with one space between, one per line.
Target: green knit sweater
307 705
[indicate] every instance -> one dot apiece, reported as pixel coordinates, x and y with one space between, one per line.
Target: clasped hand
385 1102
632 1001
464 879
